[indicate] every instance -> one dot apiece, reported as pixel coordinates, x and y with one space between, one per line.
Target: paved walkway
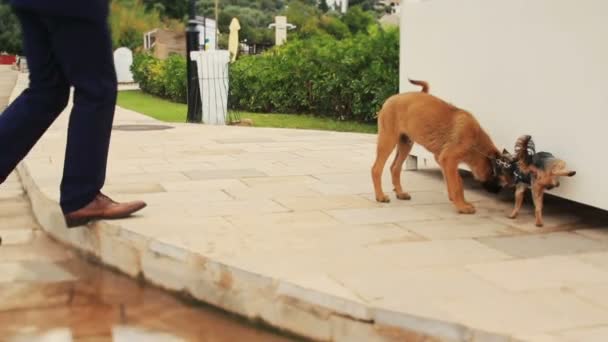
8 77
47 293
281 225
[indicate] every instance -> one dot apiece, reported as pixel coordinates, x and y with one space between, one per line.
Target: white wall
536 67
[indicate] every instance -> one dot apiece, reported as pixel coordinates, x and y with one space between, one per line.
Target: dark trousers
63 52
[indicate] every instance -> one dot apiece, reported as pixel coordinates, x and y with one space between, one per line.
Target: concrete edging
274 302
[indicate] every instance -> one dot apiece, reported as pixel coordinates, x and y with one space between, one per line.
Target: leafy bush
174 78
345 79
163 78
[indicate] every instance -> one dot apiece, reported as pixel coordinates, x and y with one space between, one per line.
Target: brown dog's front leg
455 187
520 191
384 149
538 195
403 150
445 178
377 180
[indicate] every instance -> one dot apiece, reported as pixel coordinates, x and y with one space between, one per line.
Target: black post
195 113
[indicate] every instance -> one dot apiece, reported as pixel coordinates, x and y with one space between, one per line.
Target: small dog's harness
519 177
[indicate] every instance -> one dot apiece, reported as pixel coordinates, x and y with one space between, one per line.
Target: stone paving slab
281 225
48 293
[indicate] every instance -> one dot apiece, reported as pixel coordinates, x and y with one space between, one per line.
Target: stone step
33 272
16 236
40 248
17 222
15 206
30 295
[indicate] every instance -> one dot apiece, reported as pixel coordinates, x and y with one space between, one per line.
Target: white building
338 5
521 67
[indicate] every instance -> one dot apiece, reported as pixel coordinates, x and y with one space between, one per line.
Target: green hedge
164 78
346 79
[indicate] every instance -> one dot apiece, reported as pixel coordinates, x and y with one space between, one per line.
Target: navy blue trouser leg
63 52
29 116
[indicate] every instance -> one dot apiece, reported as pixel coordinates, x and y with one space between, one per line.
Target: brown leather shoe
102 208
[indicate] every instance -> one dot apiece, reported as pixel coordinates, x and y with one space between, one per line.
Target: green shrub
346 79
174 78
163 78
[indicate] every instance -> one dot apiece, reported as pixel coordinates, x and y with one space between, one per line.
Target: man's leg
84 51
29 116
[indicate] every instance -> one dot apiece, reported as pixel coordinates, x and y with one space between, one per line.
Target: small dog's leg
520 191
386 144
403 150
538 196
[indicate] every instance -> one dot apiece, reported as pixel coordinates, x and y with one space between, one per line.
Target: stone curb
279 304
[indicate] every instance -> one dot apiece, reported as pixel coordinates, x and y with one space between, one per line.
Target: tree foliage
10 31
323 6
174 9
334 65
366 5
130 19
316 75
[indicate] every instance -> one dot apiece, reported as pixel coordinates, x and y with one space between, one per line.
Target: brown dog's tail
423 84
525 149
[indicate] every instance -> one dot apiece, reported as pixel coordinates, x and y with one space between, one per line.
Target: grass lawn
168 111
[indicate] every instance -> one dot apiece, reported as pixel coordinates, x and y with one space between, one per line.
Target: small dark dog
538 171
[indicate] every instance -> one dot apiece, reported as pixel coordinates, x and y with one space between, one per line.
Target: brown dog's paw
512 216
383 199
539 224
404 196
466 209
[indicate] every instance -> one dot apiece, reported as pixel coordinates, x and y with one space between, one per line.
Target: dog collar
499 166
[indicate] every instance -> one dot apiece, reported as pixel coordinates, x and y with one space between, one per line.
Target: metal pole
217 25
195 114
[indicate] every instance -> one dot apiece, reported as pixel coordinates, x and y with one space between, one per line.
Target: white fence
536 67
212 67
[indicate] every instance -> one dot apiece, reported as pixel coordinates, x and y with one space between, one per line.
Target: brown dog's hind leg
403 150
386 144
519 200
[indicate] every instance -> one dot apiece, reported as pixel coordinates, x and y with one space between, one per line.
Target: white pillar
344 6
212 67
280 30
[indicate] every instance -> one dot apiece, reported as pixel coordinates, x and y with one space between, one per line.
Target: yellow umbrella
233 39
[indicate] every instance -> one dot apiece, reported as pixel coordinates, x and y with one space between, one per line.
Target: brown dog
537 171
450 133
